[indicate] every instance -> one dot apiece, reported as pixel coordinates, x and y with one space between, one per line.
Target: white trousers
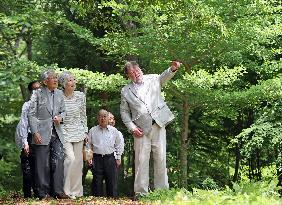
73 166
155 141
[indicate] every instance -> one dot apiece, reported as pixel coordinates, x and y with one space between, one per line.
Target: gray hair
130 64
111 114
101 112
44 75
64 77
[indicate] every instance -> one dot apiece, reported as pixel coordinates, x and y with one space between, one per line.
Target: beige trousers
155 141
73 165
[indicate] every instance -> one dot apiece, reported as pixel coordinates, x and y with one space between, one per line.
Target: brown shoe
62 196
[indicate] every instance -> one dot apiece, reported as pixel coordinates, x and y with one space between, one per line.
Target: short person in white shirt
108 148
112 122
23 140
74 130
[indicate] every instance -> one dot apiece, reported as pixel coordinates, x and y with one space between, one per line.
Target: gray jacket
137 112
40 114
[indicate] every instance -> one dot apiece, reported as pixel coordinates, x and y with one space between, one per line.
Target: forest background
226 96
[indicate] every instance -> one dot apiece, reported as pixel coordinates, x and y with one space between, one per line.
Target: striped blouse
75 121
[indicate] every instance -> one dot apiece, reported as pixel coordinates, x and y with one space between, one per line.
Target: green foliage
231 55
10 174
99 81
209 183
10 178
243 193
163 194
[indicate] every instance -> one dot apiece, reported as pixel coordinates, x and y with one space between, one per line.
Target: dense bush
265 192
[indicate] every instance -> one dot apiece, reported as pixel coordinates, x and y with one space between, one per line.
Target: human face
103 119
35 86
112 120
135 74
51 82
70 84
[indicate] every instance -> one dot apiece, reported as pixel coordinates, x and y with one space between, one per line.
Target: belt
103 155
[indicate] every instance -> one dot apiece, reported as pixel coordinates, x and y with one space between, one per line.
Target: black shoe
43 197
62 196
137 197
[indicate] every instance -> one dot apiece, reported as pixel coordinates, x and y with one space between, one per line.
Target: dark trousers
85 169
49 167
27 165
104 167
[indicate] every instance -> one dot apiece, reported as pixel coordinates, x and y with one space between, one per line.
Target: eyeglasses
103 116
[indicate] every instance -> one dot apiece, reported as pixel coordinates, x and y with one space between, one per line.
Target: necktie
52 102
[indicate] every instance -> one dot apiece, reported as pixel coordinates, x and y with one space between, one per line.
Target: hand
86 140
26 149
57 120
37 138
90 162
118 161
137 132
175 65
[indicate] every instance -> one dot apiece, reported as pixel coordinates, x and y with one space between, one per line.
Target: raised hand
175 65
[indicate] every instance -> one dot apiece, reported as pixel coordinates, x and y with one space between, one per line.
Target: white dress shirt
51 99
140 90
23 129
106 141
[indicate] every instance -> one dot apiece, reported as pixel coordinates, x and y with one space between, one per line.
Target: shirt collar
108 128
138 84
49 91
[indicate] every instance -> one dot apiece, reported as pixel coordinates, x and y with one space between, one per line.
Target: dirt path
84 201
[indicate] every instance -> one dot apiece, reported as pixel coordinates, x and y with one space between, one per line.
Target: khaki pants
155 141
73 165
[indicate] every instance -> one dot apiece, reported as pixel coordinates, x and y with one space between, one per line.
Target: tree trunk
29 45
24 91
258 164
279 169
237 148
237 162
184 146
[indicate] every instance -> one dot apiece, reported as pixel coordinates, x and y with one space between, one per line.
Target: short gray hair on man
130 64
44 75
102 112
64 77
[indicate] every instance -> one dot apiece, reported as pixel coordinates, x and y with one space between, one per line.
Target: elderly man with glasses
145 114
46 113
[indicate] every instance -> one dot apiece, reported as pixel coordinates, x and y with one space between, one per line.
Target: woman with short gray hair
75 130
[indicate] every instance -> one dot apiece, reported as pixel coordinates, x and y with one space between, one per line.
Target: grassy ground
245 193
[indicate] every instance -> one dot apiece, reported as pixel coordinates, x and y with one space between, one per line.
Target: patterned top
106 140
23 129
75 121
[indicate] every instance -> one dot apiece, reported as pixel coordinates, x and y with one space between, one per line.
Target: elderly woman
74 129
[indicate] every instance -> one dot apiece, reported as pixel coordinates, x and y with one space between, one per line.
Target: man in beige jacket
145 114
